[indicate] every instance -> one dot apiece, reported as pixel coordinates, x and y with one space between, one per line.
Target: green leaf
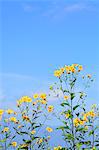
51 87
1 147
73 83
66 91
13 137
3 140
80 129
87 142
97 145
34 137
75 107
91 132
23 132
65 103
36 126
72 96
24 148
27 141
96 141
62 128
61 81
78 145
64 122
70 136
94 148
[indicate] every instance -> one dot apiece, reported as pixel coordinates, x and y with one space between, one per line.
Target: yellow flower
92 114
43 101
80 68
50 108
85 118
72 69
26 118
39 141
62 69
81 122
57 73
6 129
66 97
67 115
89 75
48 137
35 96
26 99
34 103
49 129
14 144
10 111
20 126
88 114
1 112
13 119
67 68
43 96
33 132
29 100
76 122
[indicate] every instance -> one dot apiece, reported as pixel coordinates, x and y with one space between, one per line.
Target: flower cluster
69 69
10 111
29 120
82 121
24 99
50 108
77 122
41 98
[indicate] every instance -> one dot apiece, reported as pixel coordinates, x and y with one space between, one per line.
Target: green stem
93 136
5 145
73 140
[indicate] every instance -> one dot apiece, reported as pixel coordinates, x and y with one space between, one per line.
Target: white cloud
75 7
14 75
29 7
58 9
17 84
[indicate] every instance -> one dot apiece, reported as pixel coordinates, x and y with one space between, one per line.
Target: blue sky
38 36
